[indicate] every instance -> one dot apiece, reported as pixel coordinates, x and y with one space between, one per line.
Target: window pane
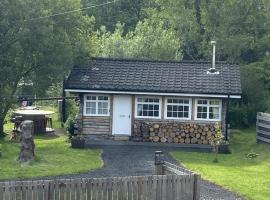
186 108
180 114
214 102
186 101
175 101
156 100
145 106
186 114
169 114
100 111
151 107
105 111
156 113
169 108
151 113
139 100
105 105
92 111
87 104
169 100
175 114
213 113
87 110
100 105
145 113
139 110
156 107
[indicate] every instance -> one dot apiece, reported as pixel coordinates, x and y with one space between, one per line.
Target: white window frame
208 108
177 104
147 117
97 101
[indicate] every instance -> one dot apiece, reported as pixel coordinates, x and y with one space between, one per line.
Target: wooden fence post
196 189
159 161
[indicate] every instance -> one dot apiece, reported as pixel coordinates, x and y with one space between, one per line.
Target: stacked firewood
188 133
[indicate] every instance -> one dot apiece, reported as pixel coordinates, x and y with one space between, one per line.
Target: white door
122 114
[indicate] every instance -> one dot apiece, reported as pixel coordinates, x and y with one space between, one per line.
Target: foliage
255 97
129 12
42 50
216 141
72 112
150 39
247 177
48 151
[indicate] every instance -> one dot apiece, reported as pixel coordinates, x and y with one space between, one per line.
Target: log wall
174 132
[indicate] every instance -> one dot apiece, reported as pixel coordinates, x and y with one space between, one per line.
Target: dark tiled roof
155 76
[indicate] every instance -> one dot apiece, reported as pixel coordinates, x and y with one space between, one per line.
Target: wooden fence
177 184
263 127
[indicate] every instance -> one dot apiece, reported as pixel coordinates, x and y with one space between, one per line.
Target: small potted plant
77 142
224 147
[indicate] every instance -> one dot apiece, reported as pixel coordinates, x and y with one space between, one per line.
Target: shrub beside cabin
159 101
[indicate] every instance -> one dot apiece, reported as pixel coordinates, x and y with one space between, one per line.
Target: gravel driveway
123 160
130 158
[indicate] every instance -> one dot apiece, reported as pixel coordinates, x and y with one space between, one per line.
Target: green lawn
249 177
53 157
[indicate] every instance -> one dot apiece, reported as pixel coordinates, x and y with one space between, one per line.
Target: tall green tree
129 12
150 40
37 47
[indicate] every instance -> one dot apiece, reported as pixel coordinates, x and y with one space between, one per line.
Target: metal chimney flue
213 70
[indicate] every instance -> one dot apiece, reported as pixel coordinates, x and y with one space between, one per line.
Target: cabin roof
133 75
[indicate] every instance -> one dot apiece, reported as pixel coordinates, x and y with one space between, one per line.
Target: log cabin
160 101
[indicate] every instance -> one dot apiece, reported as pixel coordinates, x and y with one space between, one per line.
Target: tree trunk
2 134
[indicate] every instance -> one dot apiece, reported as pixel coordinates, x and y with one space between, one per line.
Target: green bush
255 97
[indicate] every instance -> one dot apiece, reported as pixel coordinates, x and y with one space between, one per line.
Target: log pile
188 133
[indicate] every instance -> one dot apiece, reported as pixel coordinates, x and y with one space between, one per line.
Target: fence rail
171 182
263 127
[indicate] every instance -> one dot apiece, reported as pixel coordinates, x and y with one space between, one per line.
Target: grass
53 157
249 177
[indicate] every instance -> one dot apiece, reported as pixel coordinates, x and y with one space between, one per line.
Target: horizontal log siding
96 125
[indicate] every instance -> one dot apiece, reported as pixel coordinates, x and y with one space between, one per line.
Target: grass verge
53 157
249 177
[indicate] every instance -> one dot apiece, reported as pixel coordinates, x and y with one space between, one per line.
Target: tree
40 49
129 12
150 40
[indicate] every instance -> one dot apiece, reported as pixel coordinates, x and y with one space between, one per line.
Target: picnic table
41 119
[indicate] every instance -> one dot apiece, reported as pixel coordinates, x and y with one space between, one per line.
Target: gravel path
129 158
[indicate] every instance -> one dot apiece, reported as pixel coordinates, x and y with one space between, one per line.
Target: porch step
121 137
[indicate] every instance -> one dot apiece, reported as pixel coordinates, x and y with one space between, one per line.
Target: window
96 105
207 109
177 108
148 107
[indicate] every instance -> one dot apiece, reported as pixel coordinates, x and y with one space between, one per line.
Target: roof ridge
159 61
